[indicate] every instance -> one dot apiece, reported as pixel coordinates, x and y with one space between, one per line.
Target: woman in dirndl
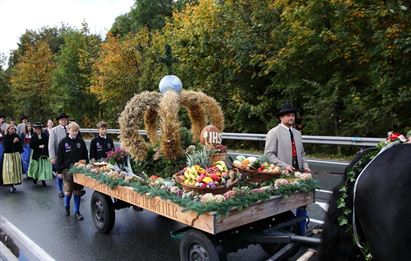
26 139
40 167
12 169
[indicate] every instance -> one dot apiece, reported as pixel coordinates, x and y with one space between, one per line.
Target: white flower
208 197
305 176
280 182
297 174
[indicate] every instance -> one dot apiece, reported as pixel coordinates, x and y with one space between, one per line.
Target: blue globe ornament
170 83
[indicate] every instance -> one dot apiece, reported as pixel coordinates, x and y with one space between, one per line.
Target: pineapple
199 157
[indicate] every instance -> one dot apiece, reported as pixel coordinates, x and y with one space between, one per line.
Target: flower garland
352 175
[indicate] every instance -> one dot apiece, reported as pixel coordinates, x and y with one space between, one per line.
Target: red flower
392 136
117 156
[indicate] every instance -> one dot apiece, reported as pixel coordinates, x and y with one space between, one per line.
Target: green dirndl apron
12 169
40 169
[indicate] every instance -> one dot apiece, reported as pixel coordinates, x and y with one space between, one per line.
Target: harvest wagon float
187 177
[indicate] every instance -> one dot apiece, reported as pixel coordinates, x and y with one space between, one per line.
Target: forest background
345 64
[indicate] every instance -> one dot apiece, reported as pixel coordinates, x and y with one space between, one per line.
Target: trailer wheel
273 248
196 246
102 212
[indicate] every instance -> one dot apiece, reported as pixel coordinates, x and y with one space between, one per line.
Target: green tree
72 77
118 72
220 48
144 13
52 35
31 81
338 61
4 88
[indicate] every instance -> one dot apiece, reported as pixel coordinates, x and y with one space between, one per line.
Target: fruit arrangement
260 165
256 169
216 176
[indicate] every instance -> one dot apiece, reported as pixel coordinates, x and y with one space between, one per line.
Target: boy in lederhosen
70 150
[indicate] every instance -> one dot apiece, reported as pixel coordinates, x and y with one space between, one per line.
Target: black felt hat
62 115
38 125
286 108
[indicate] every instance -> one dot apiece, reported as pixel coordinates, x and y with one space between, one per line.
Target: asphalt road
137 235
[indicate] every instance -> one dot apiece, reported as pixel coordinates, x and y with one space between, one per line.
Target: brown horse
382 207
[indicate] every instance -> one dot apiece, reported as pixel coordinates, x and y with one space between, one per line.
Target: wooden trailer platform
208 222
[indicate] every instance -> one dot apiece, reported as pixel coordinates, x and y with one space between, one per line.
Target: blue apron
25 157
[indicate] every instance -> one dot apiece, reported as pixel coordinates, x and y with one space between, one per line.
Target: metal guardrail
330 140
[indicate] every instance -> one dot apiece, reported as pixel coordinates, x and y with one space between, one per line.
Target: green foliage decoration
242 200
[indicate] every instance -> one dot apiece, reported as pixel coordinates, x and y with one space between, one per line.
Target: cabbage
252 159
240 158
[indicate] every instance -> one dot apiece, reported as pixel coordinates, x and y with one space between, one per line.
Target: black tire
196 246
273 248
102 212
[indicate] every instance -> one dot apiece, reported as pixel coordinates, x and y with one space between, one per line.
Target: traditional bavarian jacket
35 143
278 147
99 147
70 151
56 135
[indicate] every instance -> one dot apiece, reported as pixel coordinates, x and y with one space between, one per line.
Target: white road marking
20 237
316 221
324 191
328 162
322 205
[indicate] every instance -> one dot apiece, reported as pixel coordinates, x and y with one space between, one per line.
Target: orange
245 162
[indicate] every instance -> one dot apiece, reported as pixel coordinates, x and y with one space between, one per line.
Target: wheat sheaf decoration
142 106
164 108
199 106
170 143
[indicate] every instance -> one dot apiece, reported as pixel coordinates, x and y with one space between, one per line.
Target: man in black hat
283 146
56 135
21 128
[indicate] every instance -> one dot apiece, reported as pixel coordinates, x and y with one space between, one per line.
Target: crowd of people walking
41 153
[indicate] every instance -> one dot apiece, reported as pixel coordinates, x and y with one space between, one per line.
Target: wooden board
208 222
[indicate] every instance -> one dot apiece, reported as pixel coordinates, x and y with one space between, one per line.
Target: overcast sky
18 15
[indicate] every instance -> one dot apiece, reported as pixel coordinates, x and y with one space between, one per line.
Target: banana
187 174
222 164
193 171
220 167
